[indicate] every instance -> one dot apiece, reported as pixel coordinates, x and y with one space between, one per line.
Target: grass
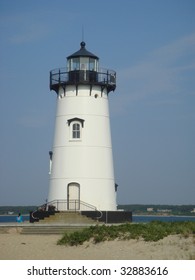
152 231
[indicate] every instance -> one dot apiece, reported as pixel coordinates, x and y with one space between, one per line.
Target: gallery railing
63 77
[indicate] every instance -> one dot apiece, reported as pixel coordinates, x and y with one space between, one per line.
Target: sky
151 46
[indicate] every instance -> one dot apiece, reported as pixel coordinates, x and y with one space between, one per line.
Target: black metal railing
103 77
72 205
67 205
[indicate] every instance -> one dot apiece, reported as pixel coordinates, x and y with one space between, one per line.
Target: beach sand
15 246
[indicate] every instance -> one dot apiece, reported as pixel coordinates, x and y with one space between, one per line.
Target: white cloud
176 49
23 27
162 71
30 33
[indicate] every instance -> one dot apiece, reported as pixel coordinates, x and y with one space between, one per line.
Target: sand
15 246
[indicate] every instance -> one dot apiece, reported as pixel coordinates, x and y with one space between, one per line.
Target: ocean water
12 218
147 219
136 219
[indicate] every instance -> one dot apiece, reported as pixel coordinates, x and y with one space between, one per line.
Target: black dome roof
82 52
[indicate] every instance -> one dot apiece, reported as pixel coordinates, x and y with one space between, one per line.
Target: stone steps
48 229
59 223
67 218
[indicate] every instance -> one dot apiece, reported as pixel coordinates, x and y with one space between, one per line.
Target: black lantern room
82 60
82 68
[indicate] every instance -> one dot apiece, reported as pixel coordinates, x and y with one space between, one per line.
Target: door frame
77 200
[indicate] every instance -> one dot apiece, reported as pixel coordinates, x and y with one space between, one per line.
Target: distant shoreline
135 215
161 215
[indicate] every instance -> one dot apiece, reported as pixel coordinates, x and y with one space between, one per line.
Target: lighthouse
81 161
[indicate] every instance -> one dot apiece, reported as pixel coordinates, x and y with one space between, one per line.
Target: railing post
50 78
59 77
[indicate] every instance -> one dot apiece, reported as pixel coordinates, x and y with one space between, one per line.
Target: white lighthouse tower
81 162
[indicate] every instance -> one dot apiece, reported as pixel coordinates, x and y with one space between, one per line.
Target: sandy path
16 246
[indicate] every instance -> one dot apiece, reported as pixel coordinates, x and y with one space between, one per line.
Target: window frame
77 131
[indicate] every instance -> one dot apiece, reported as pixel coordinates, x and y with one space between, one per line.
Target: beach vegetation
152 231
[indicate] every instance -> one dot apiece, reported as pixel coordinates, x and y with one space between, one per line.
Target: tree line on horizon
159 209
135 208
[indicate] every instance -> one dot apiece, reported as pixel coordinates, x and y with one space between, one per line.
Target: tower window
76 125
76 131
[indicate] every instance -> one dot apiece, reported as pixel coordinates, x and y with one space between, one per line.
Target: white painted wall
87 161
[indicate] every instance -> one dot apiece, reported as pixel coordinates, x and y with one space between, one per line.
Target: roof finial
82 45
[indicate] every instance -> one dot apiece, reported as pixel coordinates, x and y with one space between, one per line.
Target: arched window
76 125
76 130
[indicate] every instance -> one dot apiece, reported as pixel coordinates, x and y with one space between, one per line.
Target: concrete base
109 217
82 217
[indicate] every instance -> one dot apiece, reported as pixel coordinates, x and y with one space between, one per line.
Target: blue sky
150 44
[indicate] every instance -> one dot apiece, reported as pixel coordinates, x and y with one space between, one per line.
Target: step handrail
53 206
76 202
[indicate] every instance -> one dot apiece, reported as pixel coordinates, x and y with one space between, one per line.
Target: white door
73 196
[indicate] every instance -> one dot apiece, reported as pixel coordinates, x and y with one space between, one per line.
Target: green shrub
152 231
75 238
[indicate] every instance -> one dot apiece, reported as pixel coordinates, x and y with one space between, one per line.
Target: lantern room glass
82 63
